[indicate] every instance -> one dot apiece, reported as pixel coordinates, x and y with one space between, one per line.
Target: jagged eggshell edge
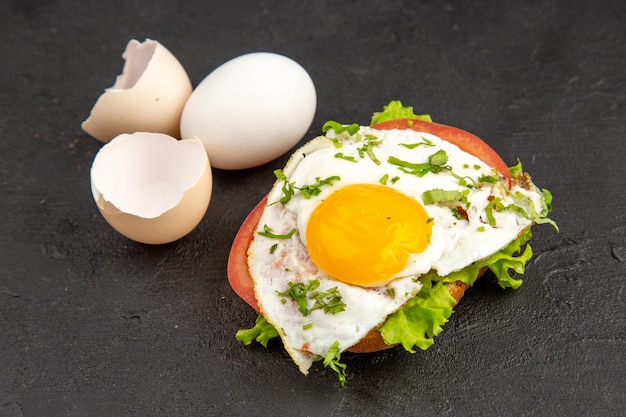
177 218
149 95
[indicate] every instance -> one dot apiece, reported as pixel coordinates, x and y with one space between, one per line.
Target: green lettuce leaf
516 169
395 110
332 361
262 332
423 317
511 258
540 217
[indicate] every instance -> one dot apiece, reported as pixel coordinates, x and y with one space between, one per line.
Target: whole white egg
250 110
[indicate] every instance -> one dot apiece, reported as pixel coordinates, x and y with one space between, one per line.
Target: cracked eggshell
149 95
250 110
151 187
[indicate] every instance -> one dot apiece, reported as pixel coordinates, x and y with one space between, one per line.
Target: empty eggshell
151 187
250 110
149 95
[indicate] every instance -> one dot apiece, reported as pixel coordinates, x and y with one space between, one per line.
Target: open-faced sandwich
371 234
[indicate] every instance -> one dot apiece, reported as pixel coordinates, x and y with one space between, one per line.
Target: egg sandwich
371 234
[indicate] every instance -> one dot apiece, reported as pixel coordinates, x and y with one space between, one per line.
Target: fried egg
354 220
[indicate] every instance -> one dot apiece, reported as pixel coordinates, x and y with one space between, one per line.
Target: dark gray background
92 324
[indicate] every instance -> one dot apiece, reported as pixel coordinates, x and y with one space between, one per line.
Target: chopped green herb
439 158
491 179
298 292
307 326
307 191
459 213
339 128
489 211
480 229
331 360
368 149
424 142
496 204
262 332
395 179
542 217
340 155
311 190
516 169
436 163
268 232
337 143
383 179
273 248
329 301
466 181
391 292
437 195
287 187
518 209
464 200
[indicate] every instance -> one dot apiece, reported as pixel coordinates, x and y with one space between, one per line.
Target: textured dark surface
92 324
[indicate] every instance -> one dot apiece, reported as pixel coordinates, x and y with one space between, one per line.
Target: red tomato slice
238 273
468 142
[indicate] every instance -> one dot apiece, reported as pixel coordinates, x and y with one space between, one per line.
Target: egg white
454 245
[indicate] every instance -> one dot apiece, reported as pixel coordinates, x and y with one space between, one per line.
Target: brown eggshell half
151 187
149 95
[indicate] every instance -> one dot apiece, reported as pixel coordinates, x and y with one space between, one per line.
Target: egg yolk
364 234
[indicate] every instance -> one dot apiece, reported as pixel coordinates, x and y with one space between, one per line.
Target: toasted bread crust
373 341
